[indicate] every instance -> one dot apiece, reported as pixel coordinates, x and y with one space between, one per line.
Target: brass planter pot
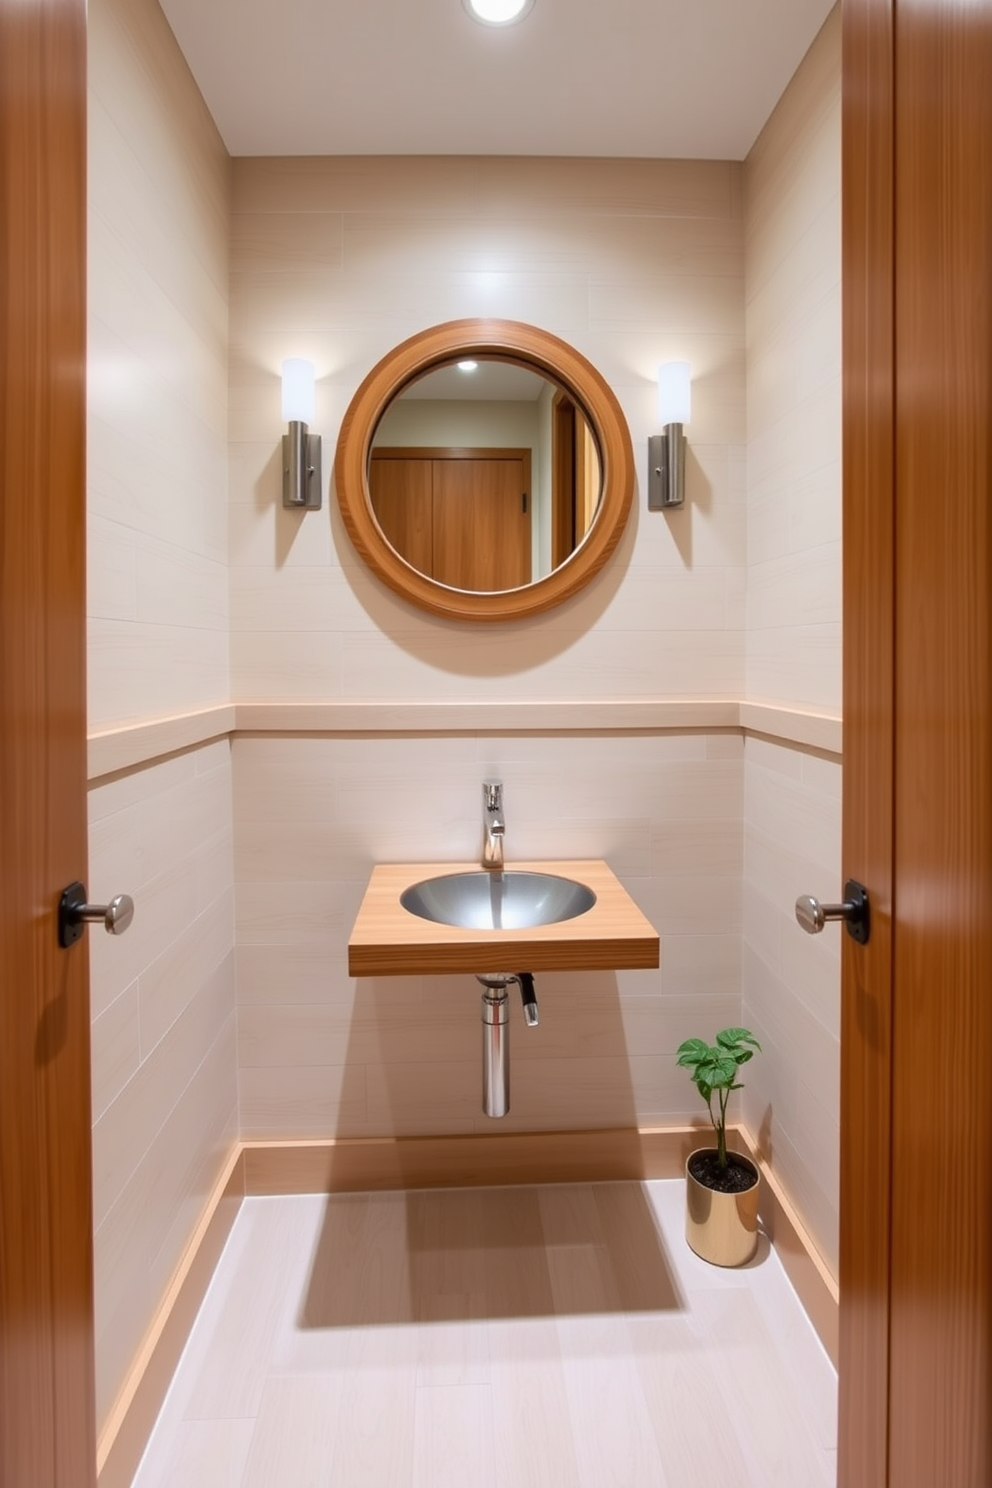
722 1228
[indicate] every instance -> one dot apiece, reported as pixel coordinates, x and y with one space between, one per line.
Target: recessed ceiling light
467 366
498 12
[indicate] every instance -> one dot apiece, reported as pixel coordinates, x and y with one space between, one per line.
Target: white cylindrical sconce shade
674 393
298 400
498 12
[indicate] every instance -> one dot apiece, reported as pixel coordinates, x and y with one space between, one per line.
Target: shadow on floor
448 1254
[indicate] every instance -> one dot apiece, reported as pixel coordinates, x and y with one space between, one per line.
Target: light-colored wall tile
323 1054
159 184
791 983
792 293
633 262
164 1051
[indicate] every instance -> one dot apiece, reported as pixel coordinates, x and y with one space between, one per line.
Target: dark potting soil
737 1177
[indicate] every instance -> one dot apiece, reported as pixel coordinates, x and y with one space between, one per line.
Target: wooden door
481 524
460 516
401 492
916 1188
47 1427
564 416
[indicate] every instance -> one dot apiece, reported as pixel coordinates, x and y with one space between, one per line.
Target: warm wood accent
866 1015
821 731
563 417
389 941
916 1326
126 1433
482 515
941 1278
363 1164
575 477
459 516
47 1429
809 1273
400 490
497 340
356 1165
136 745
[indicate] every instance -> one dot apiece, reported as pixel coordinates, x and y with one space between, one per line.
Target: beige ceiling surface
667 78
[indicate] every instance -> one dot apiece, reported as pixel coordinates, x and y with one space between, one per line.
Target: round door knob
75 913
812 915
116 915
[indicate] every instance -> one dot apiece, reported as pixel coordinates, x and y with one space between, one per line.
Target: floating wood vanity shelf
388 940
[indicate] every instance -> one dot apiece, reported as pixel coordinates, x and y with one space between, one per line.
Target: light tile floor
560 1337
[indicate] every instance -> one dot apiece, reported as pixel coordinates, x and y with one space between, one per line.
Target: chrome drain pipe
495 1052
496 1036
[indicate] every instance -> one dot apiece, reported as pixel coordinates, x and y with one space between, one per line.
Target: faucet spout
493 825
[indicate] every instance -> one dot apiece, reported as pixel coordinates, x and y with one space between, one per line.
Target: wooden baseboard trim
123 1439
364 1164
369 1164
361 1165
814 1283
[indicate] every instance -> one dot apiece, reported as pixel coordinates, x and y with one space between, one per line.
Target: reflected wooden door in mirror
485 491
459 516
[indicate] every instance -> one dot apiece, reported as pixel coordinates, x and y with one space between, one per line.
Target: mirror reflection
484 475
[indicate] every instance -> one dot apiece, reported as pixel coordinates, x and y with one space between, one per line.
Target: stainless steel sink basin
497 901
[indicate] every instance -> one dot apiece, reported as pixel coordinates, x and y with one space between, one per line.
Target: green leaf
692 1049
720 1072
729 1038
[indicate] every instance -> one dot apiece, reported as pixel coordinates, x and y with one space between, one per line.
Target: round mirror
484 470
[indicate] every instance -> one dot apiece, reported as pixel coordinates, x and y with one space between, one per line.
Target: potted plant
721 1218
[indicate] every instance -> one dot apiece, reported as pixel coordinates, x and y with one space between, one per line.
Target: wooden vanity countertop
387 940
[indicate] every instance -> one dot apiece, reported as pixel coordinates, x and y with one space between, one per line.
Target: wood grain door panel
941 1289
916 1192
401 500
47 1425
481 524
460 516
869 641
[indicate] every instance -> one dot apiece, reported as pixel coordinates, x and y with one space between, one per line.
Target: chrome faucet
493 825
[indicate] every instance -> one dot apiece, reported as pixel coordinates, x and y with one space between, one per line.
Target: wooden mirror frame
495 340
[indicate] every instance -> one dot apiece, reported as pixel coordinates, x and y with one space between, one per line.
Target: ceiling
649 78
500 382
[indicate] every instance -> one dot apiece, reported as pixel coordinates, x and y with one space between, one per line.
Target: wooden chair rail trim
132 746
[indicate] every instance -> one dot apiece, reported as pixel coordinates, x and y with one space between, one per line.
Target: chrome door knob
854 911
75 913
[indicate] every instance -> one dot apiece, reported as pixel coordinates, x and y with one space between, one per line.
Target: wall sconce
666 451
300 448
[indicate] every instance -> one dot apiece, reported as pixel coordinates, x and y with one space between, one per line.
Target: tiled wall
791 987
164 1067
324 1054
159 187
792 193
164 1060
792 799
633 262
